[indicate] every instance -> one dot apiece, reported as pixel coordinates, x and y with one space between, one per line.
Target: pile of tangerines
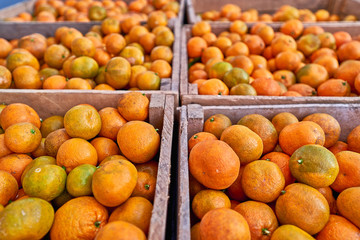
93 10
115 55
278 179
232 12
296 61
65 175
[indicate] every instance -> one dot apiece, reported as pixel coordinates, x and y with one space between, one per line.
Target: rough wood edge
15 9
183 198
190 10
181 13
195 115
13 30
193 89
156 111
165 84
175 76
206 100
184 61
159 213
346 7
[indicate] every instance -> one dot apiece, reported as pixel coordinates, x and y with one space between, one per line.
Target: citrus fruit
118 72
338 228
256 178
75 152
214 164
133 106
83 217
8 189
44 181
349 171
298 134
314 165
348 205
136 210
290 232
128 231
304 207
22 137
119 177
138 141
260 217
262 127
78 182
82 121
224 223
206 200
145 186
247 144
29 218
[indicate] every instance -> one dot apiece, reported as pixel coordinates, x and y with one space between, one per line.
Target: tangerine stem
265 231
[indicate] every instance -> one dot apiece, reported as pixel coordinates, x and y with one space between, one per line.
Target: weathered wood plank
159 213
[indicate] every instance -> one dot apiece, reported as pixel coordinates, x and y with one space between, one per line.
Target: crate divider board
159 213
161 116
192 119
189 92
340 7
13 10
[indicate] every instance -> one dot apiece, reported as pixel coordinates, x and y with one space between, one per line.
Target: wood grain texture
13 10
161 116
156 111
195 7
189 92
183 200
49 102
346 7
206 100
195 118
348 116
159 213
185 36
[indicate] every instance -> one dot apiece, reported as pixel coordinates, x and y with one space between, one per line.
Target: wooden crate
12 30
189 92
192 119
161 116
340 7
28 6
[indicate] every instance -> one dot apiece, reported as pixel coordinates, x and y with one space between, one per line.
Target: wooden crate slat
158 218
183 198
